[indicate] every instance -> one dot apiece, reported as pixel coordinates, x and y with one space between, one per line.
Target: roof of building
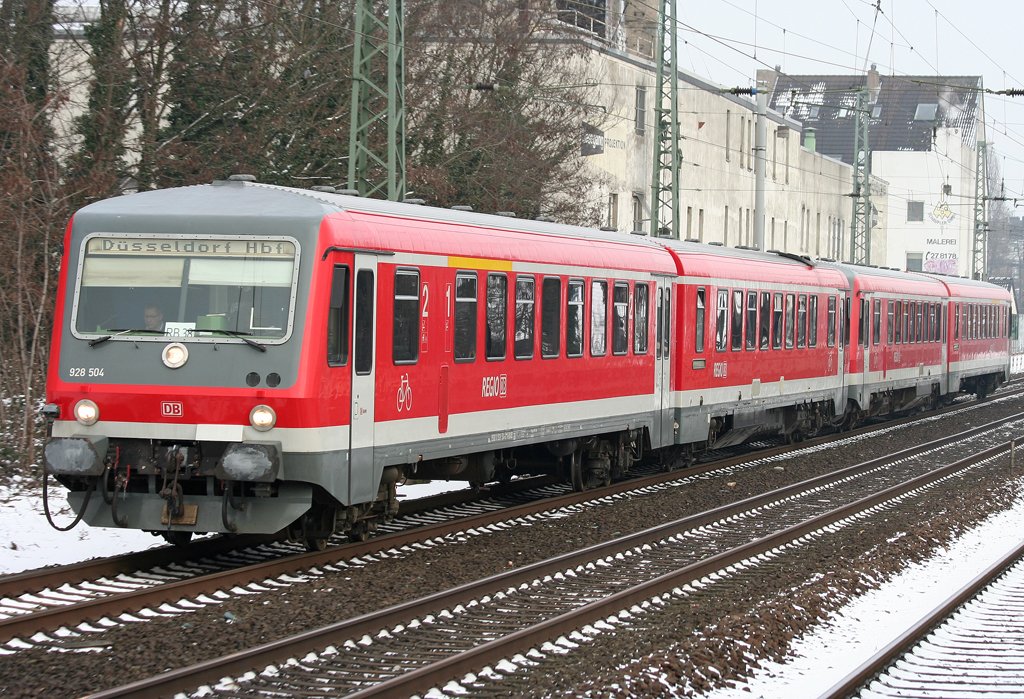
905 110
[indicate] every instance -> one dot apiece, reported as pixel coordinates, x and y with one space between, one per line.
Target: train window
919 331
751 320
721 322
550 317
667 335
699 320
337 318
405 340
574 319
956 321
642 307
908 336
620 318
659 323
765 327
801 320
847 305
497 316
465 316
790 320
777 322
737 319
830 331
364 322
524 317
598 318
862 326
890 329
897 334
812 321
876 321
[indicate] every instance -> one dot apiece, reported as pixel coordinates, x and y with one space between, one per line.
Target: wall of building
807 209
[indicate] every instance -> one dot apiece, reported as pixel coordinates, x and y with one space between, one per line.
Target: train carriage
316 349
980 316
247 358
757 342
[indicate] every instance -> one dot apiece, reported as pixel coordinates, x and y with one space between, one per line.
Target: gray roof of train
253 199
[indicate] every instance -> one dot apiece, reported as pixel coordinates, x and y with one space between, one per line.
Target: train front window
188 288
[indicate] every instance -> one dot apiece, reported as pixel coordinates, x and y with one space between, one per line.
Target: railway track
969 645
38 602
479 632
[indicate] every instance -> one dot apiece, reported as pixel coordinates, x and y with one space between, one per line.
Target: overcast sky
910 37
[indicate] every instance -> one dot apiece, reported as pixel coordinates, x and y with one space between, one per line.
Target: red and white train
239 357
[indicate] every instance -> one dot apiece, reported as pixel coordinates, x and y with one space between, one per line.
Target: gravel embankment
138 650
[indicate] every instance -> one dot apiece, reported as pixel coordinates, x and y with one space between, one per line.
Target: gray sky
910 37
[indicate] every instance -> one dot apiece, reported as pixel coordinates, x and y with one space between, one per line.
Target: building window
638 212
926 112
915 210
914 260
728 135
613 211
640 116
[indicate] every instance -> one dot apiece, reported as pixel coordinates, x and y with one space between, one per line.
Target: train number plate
189 515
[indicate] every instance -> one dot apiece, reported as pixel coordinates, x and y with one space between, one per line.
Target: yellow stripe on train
480 263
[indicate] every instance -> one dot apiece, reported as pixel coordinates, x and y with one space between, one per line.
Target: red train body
316 350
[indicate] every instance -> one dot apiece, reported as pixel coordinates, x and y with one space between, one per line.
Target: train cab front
173 386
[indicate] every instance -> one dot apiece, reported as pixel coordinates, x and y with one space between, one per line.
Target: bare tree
497 94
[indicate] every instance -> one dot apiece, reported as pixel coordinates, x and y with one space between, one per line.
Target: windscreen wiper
235 333
117 332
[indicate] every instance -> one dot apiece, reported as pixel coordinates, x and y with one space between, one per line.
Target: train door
362 485
663 348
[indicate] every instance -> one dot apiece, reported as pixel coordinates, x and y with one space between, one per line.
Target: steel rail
237 664
878 662
37 580
27 625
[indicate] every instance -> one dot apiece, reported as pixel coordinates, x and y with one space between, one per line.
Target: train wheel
360 531
576 472
177 538
315 543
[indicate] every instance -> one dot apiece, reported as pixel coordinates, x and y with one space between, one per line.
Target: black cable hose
46 504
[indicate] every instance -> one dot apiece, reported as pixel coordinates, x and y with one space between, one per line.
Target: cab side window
337 317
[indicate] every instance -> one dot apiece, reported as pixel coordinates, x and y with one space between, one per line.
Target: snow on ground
835 649
27 541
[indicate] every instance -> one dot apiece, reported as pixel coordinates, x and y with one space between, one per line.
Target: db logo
172 409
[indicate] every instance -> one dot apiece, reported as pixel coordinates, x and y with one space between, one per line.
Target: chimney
768 77
874 84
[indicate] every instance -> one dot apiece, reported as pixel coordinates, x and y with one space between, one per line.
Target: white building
923 133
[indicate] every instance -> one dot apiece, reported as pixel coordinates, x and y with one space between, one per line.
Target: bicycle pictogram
404 397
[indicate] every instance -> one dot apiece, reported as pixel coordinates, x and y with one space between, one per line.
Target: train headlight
262 417
174 355
87 412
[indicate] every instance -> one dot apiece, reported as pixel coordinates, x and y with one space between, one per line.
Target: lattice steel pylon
665 175
860 222
376 146
979 242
